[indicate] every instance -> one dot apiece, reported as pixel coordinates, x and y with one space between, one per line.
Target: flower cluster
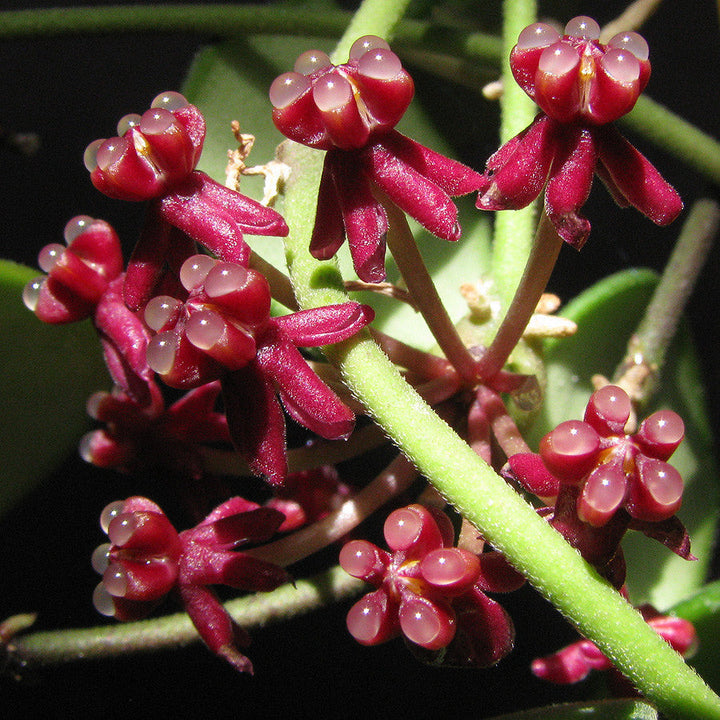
351 110
223 330
581 86
154 158
146 559
431 592
602 481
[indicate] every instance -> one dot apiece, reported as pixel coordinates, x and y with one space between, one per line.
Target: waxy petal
517 175
324 325
636 178
571 177
305 396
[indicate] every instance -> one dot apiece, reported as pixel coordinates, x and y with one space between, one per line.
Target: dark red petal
485 633
450 175
250 215
214 625
329 229
205 222
364 218
518 171
253 525
256 421
671 533
413 193
636 178
530 471
324 325
305 396
232 506
569 186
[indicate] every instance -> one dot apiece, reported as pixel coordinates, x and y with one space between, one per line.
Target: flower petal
518 170
324 325
571 177
636 177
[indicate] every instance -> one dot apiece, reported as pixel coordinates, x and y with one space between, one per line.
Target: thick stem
538 269
425 296
649 344
254 611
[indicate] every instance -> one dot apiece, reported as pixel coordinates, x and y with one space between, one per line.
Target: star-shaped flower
223 330
146 559
581 86
154 158
431 592
350 111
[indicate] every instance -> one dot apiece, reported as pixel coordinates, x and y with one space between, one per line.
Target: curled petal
325 325
363 216
305 396
636 178
329 229
450 175
412 192
569 186
571 664
215 626
256 421
530 471
518 171
256 524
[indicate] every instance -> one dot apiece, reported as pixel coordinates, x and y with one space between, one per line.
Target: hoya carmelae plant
423 456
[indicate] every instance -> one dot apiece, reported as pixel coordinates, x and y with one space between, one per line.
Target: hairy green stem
513 230
252 612
649 344
481 496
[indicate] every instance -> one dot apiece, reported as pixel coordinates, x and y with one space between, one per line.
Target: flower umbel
431 592
223 330
581 86
146 559
350 111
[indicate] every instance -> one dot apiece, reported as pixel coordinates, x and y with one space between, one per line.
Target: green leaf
607 314
230 81
703 610
46 376
601 710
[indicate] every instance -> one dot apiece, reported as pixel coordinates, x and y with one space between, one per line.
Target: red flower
154 158
146 559
575 662
85 280
350 111
431 592
223 330
581 86
603 481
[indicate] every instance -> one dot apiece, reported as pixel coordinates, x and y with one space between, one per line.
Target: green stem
373 17
650 342
513 230
254 611
220 20
676 136
230 20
